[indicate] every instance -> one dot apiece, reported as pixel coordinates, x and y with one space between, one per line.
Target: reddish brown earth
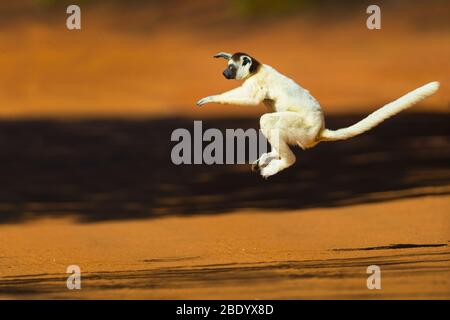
302 254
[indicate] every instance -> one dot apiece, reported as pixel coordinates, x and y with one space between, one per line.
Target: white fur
295 115
381 114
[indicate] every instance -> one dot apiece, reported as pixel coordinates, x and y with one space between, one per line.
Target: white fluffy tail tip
431 87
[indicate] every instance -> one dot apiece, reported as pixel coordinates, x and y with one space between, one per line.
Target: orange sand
241 255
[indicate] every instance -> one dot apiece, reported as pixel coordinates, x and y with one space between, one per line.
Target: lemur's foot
273 168
263 161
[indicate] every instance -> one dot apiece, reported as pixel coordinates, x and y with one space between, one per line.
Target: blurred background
154 58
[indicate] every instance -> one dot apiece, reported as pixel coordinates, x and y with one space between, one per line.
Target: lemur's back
286 93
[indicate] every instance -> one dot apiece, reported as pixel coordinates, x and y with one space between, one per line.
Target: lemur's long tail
381 114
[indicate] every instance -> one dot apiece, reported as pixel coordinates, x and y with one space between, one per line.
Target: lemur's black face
230 71
240 65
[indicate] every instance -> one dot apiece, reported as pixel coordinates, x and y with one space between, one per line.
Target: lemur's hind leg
288 128
277 128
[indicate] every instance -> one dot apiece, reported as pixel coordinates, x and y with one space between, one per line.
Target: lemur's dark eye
245 61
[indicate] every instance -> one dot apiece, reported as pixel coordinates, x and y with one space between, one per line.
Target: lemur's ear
224 55
246 60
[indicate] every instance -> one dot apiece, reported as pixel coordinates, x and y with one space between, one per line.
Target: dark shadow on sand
396 246
121 169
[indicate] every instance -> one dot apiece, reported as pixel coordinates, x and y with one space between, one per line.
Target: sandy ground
317 253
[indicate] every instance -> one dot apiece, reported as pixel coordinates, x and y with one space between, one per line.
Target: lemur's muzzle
229 74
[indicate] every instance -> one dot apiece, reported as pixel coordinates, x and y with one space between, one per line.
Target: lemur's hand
205 100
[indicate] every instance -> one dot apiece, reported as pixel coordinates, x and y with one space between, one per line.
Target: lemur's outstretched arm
243 95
